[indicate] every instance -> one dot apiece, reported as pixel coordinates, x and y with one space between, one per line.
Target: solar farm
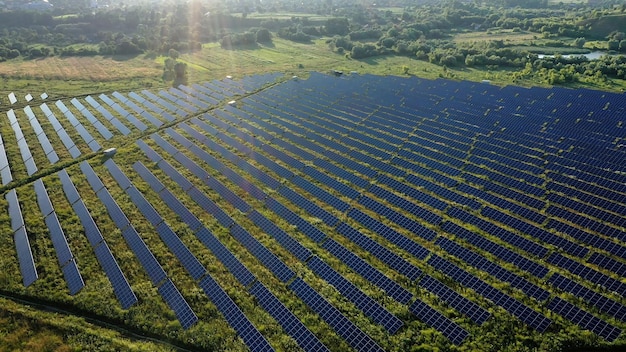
324 213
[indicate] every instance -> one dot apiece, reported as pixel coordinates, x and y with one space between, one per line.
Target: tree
180 74
622 45
263 36
174 54
337 26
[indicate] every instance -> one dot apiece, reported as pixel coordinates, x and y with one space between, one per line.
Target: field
292 174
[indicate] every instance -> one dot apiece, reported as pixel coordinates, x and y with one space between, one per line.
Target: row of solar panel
20 237
236 319
65 258
5 170
279 270
27 157
274 231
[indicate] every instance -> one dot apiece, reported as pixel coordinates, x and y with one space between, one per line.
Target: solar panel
289 322
370 307
431 317
364 269
236 319
342 326
184 255
59 241
587 273
5 173
292 218
73 278
584 319
42 198
603 304
146 258
413 226
15 212
514 307
481 263
68 187
91 229
178 304
388 257
121 288
25 256
148 177
116 214
293 246
118 175
144 206
180 209
92 178
475 312
391 235
275 265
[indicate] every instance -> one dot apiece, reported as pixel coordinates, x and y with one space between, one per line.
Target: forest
532 39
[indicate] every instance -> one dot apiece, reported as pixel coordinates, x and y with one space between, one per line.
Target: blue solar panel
121 288
370 307
59 241
525 314
364 269
73 278
390 234
402 203
266 257
385 255
342 326
115 212
289 322
118 174
608 263
496 249
92 178
475 312
144 206
178 304
292 218
293 246
584 319
502 274
210 207
42 198
236 319
587 273
148 177
15 212
25 256
603 304
179 208
94 121
150 153
431 317
146 258
184 255
306 204
413 226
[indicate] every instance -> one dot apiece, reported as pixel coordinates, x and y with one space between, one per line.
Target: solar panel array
392 191
65 257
